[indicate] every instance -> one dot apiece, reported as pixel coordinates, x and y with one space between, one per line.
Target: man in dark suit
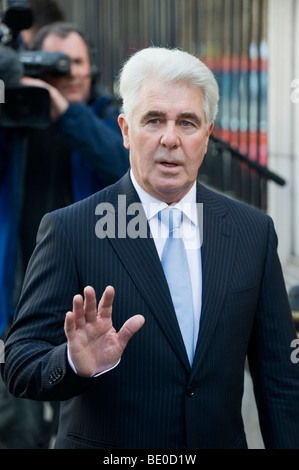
120 367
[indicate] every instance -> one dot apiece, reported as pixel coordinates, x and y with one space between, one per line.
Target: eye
186 123
154 121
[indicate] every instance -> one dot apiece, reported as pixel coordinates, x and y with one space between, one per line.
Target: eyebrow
160 114
152 114
192 116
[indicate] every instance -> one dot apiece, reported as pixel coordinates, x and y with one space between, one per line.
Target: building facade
283 129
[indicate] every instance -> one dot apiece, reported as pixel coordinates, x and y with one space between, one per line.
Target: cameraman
79 153
83 151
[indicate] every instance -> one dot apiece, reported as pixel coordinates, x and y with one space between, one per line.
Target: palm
94 345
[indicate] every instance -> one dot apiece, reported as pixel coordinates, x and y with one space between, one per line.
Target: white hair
170 66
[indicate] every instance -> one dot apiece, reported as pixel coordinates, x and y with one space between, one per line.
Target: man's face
167 138
75 86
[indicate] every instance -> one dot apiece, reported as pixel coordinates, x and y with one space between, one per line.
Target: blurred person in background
80 152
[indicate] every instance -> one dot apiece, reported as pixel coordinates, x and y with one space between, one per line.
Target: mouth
169 165
73 84
73 87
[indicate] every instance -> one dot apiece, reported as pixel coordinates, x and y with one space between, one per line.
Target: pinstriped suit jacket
152 399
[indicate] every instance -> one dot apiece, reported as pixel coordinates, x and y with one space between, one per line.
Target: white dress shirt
190 228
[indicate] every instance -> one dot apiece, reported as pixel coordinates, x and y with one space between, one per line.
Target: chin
173 193
75 99
168 195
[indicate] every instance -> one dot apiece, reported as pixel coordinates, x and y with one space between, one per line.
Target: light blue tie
175 265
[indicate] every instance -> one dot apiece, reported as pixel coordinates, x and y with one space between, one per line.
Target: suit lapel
141 260
218 249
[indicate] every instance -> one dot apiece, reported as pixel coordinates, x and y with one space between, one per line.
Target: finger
34 82
129 328
70 325
105 304
90 304
78 311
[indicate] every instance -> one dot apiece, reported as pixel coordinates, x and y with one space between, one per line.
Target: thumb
129 328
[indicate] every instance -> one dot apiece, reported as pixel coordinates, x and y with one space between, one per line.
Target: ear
209 132
124 127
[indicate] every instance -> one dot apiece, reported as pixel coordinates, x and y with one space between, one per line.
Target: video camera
25 106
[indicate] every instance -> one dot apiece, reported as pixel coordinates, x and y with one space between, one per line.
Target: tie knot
172 218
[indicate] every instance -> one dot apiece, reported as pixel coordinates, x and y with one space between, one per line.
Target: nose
170 137
73 68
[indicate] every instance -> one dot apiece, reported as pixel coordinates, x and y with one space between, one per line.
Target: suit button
190 392
55 376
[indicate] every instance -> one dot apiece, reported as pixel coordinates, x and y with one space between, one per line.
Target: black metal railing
230 172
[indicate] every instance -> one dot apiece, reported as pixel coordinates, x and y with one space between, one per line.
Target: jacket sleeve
275 376
36 365
97 143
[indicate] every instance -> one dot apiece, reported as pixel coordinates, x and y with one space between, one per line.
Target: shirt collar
153 205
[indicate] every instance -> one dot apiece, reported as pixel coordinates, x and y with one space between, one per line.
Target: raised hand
94 345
